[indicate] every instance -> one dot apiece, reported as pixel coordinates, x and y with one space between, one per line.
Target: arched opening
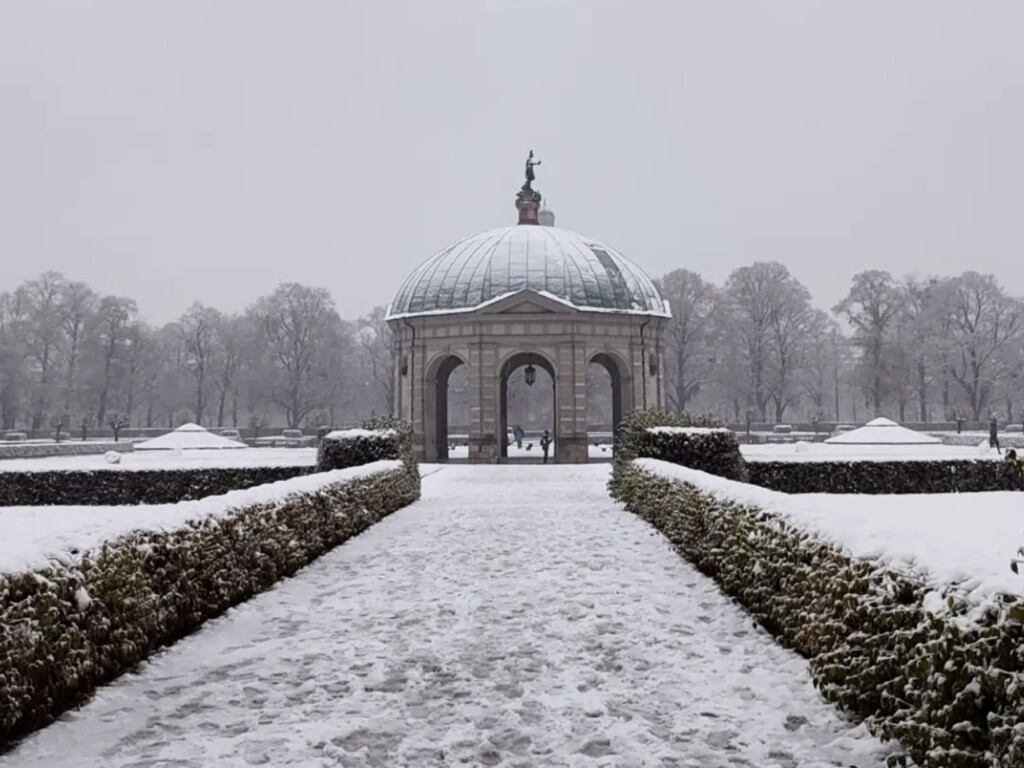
607 401
527 401
446 396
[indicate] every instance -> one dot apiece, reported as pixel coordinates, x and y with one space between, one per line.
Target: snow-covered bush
700 442
938 476
380 438
108 487
90 616
75 448
942 676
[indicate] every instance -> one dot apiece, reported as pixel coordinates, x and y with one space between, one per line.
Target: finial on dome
528 199
545 216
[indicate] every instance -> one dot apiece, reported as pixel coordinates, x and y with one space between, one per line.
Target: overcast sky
181 151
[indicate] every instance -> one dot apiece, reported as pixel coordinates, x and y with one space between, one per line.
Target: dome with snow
883 432
188 437
569 267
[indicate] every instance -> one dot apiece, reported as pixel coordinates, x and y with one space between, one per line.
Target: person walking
993 434
519 435
545 444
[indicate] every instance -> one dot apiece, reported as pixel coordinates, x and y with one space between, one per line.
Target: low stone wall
941 675
70 448
75 624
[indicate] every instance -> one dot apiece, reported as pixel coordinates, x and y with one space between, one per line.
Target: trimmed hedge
111 487
382 437
68 448
75 625
871 477
950 691
695 441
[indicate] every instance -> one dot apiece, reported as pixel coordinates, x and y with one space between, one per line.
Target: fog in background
186 151
829 197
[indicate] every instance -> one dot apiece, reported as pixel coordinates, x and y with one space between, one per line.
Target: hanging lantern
531 375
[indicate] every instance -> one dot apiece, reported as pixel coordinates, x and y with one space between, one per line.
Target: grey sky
178 151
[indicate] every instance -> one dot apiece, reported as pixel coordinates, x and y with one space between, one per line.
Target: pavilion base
572 449
483 449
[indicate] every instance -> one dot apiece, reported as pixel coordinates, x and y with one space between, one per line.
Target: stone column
571 401
483 418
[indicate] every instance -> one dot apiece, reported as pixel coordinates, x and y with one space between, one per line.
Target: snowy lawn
947 538
30 537
194 459
515 616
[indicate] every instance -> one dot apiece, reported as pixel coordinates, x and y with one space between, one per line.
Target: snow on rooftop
883 432
553 262
189 437
946 539
31 537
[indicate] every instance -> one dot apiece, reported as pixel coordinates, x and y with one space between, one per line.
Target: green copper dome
570 267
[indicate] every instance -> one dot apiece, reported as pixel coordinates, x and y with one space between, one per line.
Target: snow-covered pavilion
526 296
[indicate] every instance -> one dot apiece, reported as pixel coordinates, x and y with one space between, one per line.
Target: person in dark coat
519 434
993 434
545 444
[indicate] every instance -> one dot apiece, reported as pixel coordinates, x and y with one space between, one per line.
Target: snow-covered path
515 616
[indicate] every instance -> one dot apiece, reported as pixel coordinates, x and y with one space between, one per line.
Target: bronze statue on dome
530 163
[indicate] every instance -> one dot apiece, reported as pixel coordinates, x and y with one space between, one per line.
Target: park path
515 616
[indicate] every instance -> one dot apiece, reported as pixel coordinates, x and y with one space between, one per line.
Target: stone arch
511 363
622 391
438 373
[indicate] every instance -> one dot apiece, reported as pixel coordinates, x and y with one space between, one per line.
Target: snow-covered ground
947 538
515 616
187 459
31 537
595 452
822 452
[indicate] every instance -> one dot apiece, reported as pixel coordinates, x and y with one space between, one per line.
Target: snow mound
883 432
188 437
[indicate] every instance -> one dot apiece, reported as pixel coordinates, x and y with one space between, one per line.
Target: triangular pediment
528 302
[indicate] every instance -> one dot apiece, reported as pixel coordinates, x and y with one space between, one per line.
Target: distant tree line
74 360
916 349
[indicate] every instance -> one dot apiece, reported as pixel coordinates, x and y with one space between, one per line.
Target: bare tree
375 339
872 307
111 327
13 353
78 303
299 325
694 304
769 317
199 333
821 368
985 333
44 339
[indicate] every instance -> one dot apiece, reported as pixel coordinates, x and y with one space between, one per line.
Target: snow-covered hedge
380 438
918 476
67 448
79 621
106 487
700 442
937 671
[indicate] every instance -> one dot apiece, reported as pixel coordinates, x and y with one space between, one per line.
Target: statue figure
530 162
